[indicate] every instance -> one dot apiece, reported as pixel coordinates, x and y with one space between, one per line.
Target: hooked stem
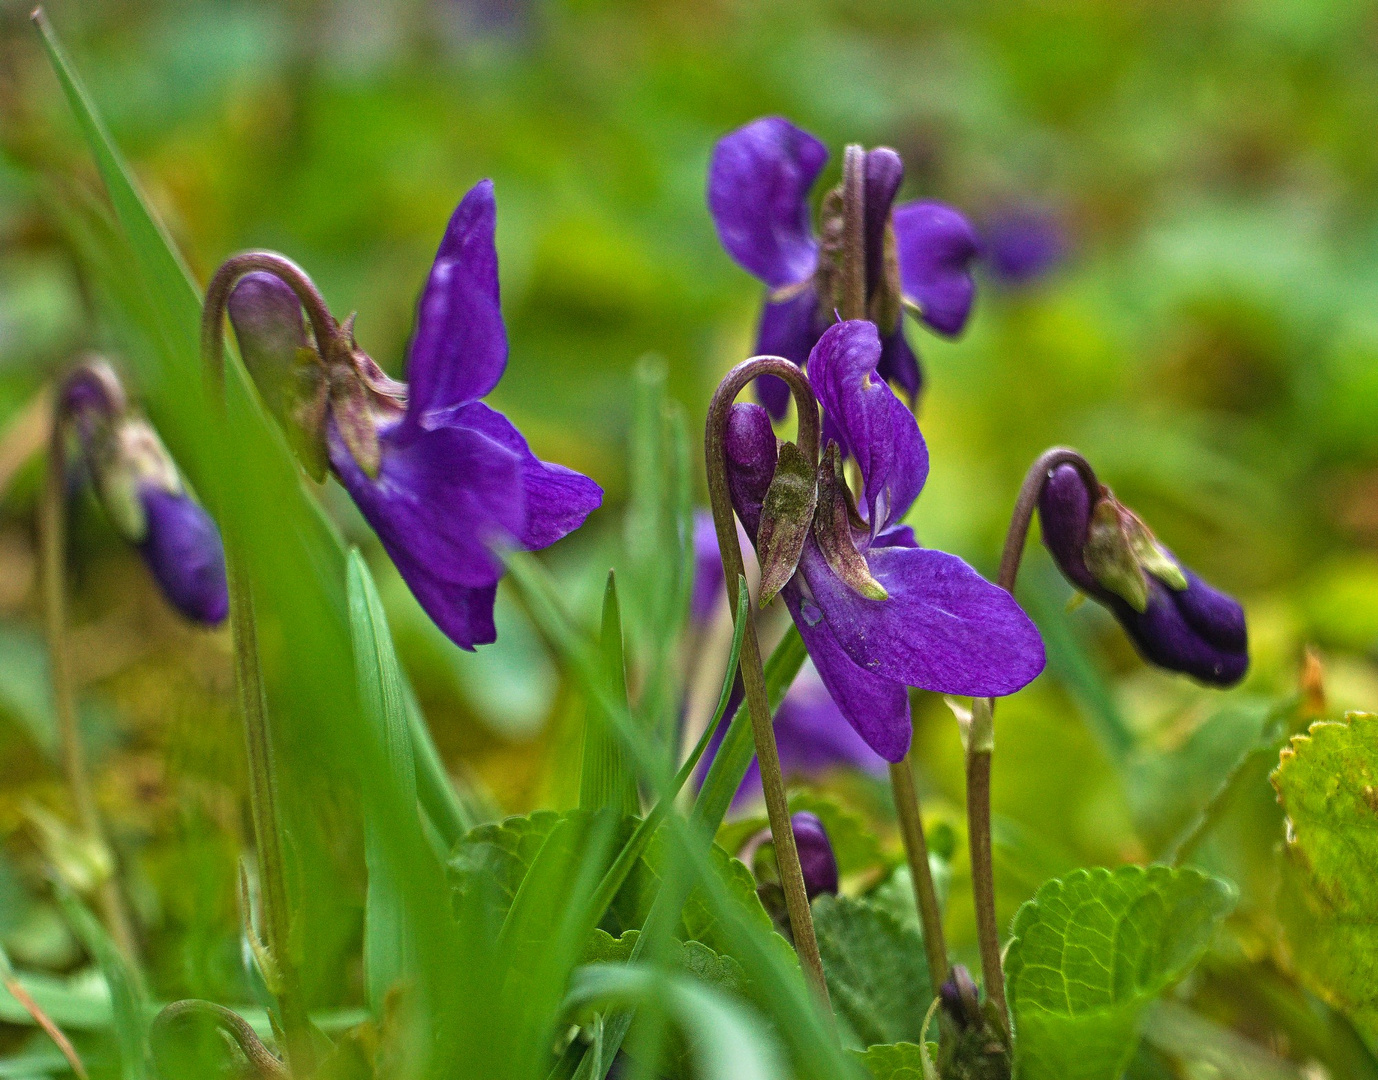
753 677
981 737
53 541
274 900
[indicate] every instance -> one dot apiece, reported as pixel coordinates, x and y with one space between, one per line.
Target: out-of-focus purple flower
877 612
815 854
443 478
1023 243
143 494
1175 619
758 192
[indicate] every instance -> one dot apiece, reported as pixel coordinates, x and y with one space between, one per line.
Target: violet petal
871 424
183 551
459 350
944 627
936 247
789 328
758 192
884 172
816 857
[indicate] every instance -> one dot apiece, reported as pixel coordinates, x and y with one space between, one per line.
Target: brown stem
299 1049
753 678
53 541
853 275
981 739
920 873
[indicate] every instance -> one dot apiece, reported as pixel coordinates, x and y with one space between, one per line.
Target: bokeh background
1207 335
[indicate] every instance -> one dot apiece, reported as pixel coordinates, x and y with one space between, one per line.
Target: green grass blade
605 777
388 941
130 1008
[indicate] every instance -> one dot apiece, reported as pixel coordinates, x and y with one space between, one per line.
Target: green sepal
786 517
832 528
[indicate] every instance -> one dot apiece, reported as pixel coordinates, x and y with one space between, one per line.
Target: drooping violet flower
811 734
1021 244
142 492
443 478
918 256
1175 619
877 612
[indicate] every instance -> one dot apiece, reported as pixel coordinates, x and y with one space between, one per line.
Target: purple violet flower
142 493
877 612
453 478
1175 619
920 254
816 857
1022 244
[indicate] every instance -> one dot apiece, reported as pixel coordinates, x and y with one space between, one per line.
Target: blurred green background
1210 342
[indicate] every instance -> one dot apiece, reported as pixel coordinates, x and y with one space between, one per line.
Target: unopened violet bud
1175 619
182 548
287 370
816 856
961 1000
139 487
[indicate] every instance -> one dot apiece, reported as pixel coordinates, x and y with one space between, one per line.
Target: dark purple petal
459 350
751 459
870 423
1023 244
936 247
876 707
708 584
944 627
463 613
898 364
790 329
557 499
813 735
758 192
816 856
884 174
1064 515
183 551
441 499
1197 632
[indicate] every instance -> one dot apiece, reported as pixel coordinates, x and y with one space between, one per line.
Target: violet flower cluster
877 612
445 480
917 254
1174 618
144 495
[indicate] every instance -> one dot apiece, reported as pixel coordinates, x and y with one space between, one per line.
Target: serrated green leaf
1327 781
692 957
606 778
876 970
1091 951
896 1061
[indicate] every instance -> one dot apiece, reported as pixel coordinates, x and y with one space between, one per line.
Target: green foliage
897 1061
606 777
876 970
1091 951
693 957
1327 781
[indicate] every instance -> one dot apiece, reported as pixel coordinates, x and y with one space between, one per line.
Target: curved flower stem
981 736
753 678
274 900
53 541
920 873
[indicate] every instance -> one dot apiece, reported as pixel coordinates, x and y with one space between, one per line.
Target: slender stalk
920 873
853 276
274 899
753 677
981 737
53 541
